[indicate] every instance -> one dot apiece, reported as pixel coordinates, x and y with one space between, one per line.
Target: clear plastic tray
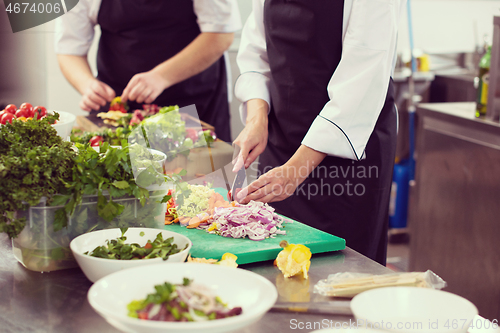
41 249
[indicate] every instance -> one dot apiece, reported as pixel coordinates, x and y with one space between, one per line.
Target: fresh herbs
34 163
119 249
109 175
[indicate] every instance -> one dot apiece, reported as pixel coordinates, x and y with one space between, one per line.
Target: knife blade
240 180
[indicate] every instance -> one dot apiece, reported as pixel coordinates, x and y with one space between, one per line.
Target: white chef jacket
358 87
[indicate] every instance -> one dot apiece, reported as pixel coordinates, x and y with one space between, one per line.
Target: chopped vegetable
181 302
228 259
118 249
294 259
196 202
256 220
118 105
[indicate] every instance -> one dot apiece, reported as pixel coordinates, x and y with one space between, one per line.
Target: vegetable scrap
181 302
118 249
293 259
228 259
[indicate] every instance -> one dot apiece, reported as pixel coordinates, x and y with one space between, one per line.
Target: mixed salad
158 128
118 249
181 302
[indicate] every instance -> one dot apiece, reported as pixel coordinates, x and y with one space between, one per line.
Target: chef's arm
252 87
77 71
253 138
200 54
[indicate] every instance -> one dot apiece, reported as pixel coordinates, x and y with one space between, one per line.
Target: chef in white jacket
318 105
167 52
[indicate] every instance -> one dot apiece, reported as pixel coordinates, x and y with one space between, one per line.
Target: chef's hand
95 95
144 87
253 139
281 182
275 185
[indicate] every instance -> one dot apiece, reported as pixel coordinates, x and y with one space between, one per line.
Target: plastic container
398 208
41 249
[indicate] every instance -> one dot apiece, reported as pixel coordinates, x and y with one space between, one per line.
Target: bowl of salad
189 297
100 253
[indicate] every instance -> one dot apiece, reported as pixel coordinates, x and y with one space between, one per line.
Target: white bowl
412 309
238 287
64 124
95 268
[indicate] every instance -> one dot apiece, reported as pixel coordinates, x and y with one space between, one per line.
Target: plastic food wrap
350 284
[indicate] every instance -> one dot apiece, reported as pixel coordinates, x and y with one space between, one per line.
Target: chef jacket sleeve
252 61
359 85
219 16
74 30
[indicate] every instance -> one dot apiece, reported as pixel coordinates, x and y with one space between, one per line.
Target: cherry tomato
95 140
29 108
7 117
22 113
2 113
11 108
40 110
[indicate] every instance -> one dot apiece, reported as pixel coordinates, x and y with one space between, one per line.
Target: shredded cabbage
196 202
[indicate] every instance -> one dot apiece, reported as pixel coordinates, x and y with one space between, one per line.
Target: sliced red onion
256 220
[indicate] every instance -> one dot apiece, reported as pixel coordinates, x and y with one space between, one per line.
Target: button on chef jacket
324 67
137 35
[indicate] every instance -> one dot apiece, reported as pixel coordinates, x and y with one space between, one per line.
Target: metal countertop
57 301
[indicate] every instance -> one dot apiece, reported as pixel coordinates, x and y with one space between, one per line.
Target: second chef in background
164 52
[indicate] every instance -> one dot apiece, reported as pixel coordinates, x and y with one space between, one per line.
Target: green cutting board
212 246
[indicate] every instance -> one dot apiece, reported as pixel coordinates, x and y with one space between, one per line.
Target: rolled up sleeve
218 16
252 61
358 87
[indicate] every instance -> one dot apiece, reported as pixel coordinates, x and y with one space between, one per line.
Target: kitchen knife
240 180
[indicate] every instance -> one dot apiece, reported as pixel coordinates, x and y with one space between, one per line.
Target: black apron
343 197
137 35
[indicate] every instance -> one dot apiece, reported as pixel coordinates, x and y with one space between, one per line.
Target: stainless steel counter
57 301
453 214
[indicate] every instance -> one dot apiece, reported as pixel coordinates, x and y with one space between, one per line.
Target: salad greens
64 191
113 137
34 163
181 302
166 132
108 174
118 249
